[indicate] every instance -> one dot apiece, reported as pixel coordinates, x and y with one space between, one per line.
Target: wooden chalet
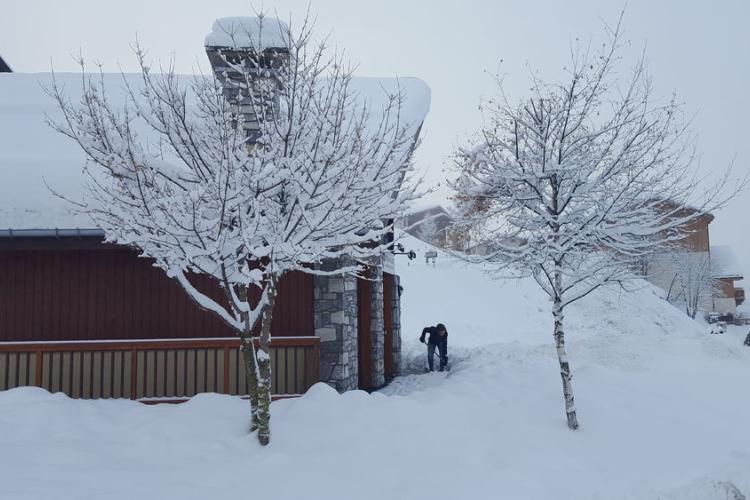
696 245
95 320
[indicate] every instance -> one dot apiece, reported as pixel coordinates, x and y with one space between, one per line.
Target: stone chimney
242 47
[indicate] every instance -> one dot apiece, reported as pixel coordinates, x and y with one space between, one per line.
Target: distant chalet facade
659 267
95 320
433 224
726 271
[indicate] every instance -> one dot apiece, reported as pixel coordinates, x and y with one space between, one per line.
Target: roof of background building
724 263
4 68
424 209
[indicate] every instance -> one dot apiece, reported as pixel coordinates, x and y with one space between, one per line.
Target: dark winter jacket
434 337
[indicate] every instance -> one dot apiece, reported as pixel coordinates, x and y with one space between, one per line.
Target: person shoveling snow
438 338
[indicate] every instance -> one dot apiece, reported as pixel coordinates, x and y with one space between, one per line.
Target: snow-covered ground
664 410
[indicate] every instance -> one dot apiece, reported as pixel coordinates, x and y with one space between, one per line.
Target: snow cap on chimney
257 33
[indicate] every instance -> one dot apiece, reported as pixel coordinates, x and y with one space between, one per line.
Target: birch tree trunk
264 366
562 355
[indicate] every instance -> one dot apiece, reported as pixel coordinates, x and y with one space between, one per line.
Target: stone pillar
377 327
335 314
396 306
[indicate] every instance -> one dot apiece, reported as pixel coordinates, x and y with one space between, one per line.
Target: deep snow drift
664 409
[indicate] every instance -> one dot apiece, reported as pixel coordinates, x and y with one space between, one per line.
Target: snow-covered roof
247 32
418 209
4 68
724 262
35 158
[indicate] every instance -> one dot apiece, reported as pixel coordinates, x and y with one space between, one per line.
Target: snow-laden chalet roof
432 207
724 263
32 153
247 32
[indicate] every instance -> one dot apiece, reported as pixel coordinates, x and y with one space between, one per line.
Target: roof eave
51 233
733 277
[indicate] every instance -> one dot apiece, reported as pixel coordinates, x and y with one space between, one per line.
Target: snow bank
35 160
663 408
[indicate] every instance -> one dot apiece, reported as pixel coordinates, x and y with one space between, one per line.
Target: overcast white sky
701 49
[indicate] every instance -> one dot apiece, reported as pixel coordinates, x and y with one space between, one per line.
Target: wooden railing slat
225 385
171 368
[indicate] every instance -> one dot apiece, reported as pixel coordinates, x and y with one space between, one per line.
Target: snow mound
663 409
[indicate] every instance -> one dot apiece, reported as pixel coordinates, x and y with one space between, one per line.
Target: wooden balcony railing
154 370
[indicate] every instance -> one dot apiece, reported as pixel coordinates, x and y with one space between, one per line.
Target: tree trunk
251 367
251 374
264 366
570 409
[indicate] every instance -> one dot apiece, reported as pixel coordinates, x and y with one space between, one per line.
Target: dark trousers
442 347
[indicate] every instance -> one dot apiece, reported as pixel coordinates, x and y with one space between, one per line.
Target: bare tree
577 182
691 282
245 177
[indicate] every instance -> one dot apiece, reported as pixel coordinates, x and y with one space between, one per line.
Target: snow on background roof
32 153
247 32
418 209
724 262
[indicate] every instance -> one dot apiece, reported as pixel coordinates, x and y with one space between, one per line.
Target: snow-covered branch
272 164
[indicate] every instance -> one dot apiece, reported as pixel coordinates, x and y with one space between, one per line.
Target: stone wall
377 327
396 302
335 313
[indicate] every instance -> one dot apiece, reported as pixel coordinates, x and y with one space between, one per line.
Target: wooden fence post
133 373
226 370
38 368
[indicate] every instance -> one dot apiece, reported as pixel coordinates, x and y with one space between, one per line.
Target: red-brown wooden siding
388 324
364 339
110 294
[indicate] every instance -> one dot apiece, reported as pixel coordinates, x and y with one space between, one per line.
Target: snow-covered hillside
664 410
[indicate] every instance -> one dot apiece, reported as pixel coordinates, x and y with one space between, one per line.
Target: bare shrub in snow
729 489
578 181
175 173
692 284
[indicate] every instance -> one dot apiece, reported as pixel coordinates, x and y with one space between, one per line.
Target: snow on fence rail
154 370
